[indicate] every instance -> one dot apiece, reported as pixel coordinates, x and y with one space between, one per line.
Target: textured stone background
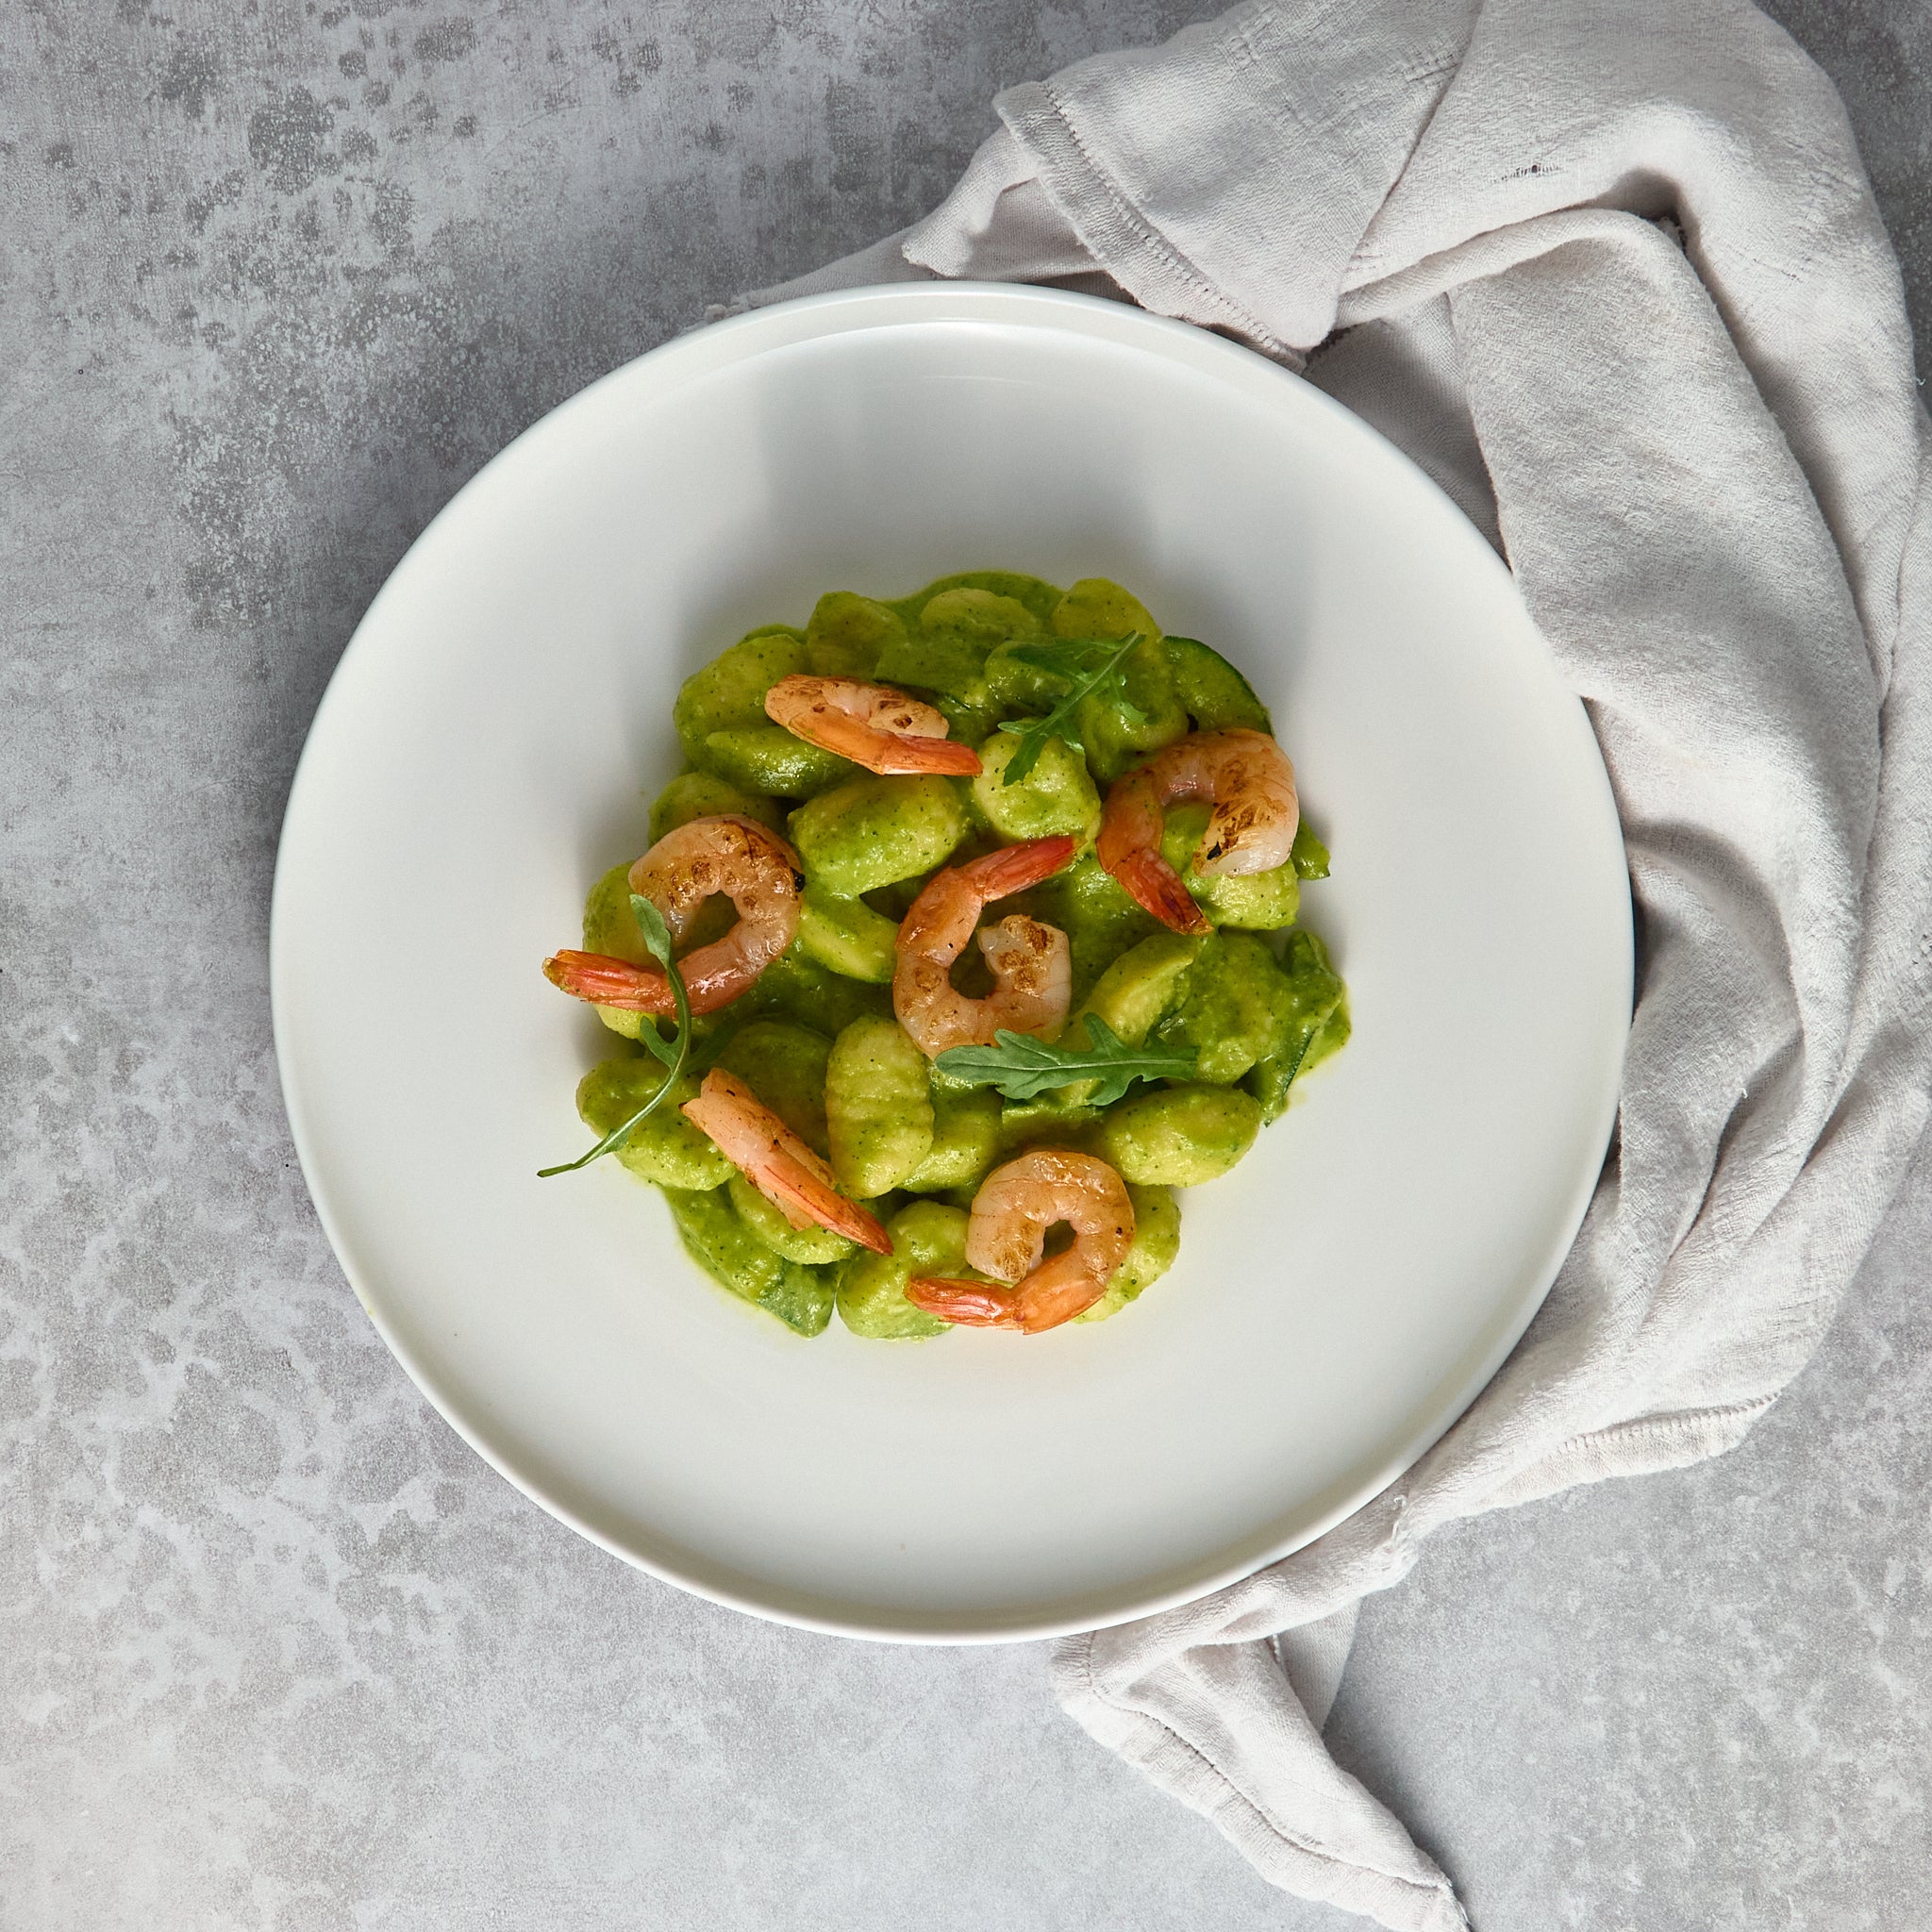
275 1650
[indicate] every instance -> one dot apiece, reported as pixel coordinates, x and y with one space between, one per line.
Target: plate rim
670 365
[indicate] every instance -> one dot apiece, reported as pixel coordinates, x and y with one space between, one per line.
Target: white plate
490 744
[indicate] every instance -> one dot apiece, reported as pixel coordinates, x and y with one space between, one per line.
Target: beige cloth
1611 273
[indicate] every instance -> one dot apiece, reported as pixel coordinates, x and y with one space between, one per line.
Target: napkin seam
1234 1798
1140 229
1667 1441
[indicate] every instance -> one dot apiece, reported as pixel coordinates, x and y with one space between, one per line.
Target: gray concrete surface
275 1650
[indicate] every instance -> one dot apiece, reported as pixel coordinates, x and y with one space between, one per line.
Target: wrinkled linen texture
1612 275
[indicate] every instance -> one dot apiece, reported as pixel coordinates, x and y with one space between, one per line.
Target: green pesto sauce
1257 1003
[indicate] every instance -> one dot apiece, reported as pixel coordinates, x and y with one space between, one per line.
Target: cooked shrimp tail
1147 878
747 861
965 1303
608 982
1251 829
872 724
1014 868
777 1162
1031 963
1006 1238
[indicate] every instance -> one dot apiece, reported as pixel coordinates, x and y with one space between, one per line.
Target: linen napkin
1612 273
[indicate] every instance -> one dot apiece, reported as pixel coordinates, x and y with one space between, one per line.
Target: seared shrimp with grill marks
872 724
1251 782
1031 964
747 861
777 1162
1006 1237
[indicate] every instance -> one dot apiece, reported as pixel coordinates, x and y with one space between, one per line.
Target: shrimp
777 1162
872 724
1252 829
751 865
1006 1237
1031 963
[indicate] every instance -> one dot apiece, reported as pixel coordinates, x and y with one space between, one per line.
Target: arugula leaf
657 942
671 1053
1090 665
1070 657
1024 1068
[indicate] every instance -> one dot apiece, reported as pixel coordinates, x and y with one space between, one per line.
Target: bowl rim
671 365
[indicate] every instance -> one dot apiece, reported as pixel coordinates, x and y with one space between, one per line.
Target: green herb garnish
1024 1068
671 1053
1090 665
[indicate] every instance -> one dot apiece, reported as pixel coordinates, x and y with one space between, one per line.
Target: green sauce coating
701 796
895 902
848 935
666 1148
1057 796
1178 1136
1155 1244
1099 608
1235 1007
870 832
847 633
730 690
1048 1122
945 648
815 1036
966 721
878 1107
1035 593
1116 740
720 716
1114 734
1014 687
1142 986
965 1142
811 1244
1100 920
1309 856
766 758
1212 692
927 1239
610 928
784 1064
735 1258
797 986
1257 901
1312 1019
1137 991
1330 1036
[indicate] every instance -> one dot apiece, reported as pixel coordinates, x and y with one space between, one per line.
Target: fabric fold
1615 278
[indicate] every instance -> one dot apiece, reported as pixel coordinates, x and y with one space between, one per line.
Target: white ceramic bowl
490 744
